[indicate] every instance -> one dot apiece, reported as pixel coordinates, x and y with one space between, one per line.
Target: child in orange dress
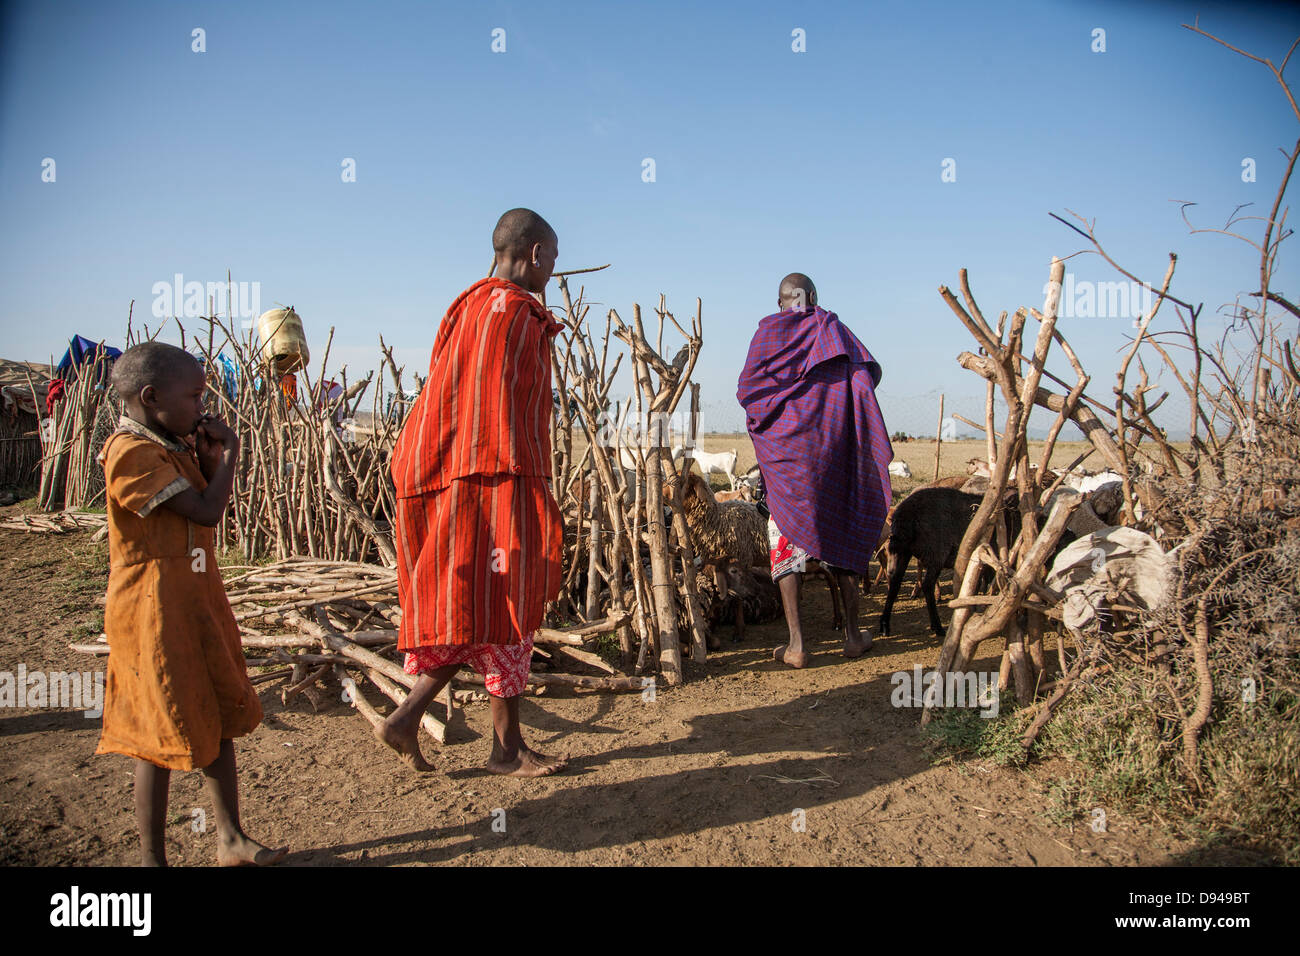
177 688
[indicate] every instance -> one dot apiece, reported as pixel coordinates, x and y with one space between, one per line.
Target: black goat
928 524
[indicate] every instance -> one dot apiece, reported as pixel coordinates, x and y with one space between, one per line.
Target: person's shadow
719 785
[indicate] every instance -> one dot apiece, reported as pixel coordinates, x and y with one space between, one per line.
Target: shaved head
151 363
518 231
796 292
162 388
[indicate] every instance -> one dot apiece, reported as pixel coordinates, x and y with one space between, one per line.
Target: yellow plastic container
283 341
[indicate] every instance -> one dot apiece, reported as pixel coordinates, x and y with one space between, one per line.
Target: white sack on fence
900 469
1084 570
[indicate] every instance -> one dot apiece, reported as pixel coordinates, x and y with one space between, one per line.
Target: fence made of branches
313 476
1221 647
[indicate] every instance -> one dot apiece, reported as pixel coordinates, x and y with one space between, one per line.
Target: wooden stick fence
634 562
1021 609
313 480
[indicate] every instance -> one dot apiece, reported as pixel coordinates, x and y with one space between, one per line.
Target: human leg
505 673
792 653
234 846
788 562
402 727
855 642
151 783
511 756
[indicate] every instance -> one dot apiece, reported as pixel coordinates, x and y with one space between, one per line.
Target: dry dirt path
710 773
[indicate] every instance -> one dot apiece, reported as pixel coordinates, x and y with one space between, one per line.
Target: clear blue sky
767 161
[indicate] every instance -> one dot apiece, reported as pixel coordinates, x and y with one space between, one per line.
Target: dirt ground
711 773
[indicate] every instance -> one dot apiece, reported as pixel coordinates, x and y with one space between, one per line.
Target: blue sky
766 161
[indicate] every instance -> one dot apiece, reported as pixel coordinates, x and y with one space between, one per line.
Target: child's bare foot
527 763
244 851
406 744
795 659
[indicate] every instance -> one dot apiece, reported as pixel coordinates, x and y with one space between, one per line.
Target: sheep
742 493
1083 481
952 481
723 463
756 592
978 469
899 469
754 589
1103 506
723 534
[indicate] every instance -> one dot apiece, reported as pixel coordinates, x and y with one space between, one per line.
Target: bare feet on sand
527 763
243 851
405 745
796 659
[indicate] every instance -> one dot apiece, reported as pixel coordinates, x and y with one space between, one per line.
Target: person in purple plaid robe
808 390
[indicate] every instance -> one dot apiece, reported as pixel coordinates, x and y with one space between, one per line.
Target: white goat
723 462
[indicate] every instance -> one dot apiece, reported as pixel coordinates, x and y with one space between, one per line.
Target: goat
754 480
952 481
882 546
928 525
723 463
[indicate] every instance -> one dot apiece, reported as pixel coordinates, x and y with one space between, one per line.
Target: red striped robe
478 531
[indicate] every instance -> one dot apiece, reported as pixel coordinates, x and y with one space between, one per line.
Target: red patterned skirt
504 666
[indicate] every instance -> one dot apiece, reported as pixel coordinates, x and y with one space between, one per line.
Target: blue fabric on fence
229 375
81 350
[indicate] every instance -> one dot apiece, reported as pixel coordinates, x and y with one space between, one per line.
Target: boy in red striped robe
477 530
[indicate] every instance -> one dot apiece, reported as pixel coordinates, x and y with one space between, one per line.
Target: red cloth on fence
53 395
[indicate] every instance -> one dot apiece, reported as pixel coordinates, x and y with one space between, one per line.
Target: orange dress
477 530
177 684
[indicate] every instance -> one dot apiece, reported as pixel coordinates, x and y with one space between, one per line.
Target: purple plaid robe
808 390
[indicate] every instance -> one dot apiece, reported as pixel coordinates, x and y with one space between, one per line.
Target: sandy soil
713 772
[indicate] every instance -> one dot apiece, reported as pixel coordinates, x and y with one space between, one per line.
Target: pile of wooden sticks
324 629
